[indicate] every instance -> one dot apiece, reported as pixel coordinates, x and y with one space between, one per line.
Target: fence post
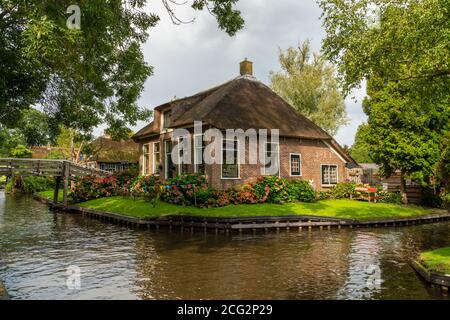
56 191
66 172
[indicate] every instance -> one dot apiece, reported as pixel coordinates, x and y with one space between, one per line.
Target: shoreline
432 277
241 224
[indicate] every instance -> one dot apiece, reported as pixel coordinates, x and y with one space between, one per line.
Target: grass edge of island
242 223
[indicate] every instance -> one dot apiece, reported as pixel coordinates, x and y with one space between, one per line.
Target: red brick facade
313 152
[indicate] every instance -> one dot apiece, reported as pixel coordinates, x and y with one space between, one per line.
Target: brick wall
314 153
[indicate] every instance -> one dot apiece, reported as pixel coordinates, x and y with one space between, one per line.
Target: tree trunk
403 193
77 155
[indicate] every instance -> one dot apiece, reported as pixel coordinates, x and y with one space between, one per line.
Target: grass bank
349 209
48 194
437 260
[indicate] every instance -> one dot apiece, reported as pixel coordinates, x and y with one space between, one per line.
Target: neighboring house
44 152
112 156
305 151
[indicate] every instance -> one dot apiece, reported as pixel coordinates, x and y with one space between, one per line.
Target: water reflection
37 246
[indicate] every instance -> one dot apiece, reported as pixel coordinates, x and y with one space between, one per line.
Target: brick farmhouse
304 151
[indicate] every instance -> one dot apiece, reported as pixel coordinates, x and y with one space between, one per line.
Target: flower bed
193 190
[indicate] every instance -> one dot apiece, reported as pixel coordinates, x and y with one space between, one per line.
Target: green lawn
49 194
330 208
437 260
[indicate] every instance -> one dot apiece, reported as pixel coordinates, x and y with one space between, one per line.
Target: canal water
42 251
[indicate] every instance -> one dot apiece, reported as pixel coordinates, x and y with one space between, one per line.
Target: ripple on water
37 246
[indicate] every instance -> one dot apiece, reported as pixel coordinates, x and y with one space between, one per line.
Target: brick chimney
246 67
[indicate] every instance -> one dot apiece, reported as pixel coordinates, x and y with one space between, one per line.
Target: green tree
34 127
404 40
443 169
21 151
70 143
402 134
9 139
308 83
360 150
88 76
402 48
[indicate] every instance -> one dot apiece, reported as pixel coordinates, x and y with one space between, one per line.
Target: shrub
323 195
219 198
272 189
2 181
21 151
389 197
149 187
90 187
445 196
431 199
125 181
343 190
185 189
244 194
37 184
301 190
29 184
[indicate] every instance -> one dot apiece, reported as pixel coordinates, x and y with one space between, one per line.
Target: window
296 165
230 163
110 167
156 157
329 174
199 148
272 153
182 167
166 119
168 164
146 161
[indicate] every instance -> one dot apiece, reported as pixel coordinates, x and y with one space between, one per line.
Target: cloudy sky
192 57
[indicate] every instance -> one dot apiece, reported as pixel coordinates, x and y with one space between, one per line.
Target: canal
37 246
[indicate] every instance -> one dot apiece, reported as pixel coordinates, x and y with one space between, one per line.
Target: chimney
246 67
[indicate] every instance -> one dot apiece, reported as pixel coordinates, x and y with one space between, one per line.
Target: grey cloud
190 58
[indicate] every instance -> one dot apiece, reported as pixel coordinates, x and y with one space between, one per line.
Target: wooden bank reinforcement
293 222
439 279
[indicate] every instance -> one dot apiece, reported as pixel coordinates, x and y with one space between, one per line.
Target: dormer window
166 119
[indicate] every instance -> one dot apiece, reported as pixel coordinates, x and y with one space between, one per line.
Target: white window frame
195 152
321 173
265 154
290 165
166 163
144 162
238 162
153 159
180 158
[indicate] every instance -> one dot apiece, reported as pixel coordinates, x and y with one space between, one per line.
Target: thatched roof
242 103
107 150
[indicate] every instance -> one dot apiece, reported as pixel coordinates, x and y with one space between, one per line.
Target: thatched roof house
111 155
305 151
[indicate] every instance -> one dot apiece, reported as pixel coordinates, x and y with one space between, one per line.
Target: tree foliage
360 150
308 83
395 40
402 134
403 49
82 77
